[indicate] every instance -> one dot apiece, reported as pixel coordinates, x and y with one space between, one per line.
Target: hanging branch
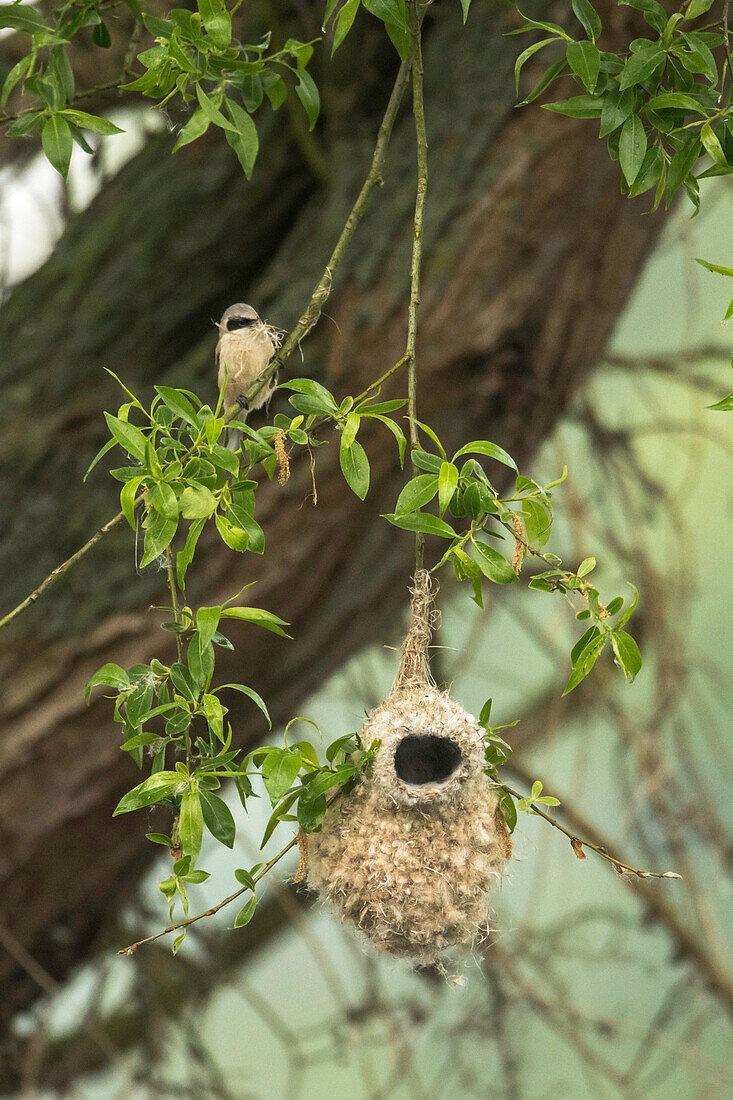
418 110
132 948
578 843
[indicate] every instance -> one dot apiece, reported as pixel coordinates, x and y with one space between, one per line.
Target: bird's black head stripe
239 322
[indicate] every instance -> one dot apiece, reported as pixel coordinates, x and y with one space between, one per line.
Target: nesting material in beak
409 855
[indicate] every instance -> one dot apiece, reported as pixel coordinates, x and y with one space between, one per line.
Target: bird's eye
239 322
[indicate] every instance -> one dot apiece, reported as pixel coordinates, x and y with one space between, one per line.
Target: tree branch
418 110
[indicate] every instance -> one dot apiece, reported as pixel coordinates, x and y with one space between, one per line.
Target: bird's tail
231 438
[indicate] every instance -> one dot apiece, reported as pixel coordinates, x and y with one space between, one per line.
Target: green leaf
418 492
16 75
355 467
311 812
484 447
22 18
109 675
211 110
579 106
57 143
586 566
640 66
492 564
696 8
683 162
151 790
245 141
585 61
128 494
344 22
421 521
91 122
207 621
485 716
712 144
674 101
245 914
617 106
130 438
258 616
542 85
726 404
197 502
218 818
191 822
185 557
159 533
178 403
235 537
717 269
159 838
652 11
162 498
536 790
627 653
253 695
279 771
508 809
244 878
588 17
465 5
312 388
214 714
537 522
196 126
307 93
447 485
585 662
632 148
217 20
526 54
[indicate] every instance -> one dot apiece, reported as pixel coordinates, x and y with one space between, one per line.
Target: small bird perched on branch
246 347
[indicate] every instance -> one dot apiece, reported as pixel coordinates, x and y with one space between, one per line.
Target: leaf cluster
661 104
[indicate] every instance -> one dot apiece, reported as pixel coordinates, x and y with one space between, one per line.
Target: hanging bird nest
409 855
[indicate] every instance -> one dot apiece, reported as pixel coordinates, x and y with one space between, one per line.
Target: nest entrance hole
426 758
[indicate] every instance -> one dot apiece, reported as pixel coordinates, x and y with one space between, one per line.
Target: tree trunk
530 253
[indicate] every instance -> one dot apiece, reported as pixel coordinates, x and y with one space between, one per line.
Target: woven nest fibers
410 854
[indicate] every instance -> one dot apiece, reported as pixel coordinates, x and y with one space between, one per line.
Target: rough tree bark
531 252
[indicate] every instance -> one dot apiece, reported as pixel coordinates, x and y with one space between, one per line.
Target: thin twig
215 909
86 94
726 33
418 110
322 290
61 569
578 844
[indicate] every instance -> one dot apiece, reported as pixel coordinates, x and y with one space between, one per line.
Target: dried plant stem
418 110
578 844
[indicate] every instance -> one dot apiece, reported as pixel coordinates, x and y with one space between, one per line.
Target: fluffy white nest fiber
410 854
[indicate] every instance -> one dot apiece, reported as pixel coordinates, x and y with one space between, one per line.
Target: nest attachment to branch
414 670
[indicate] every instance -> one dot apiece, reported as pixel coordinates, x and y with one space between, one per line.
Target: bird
245 348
